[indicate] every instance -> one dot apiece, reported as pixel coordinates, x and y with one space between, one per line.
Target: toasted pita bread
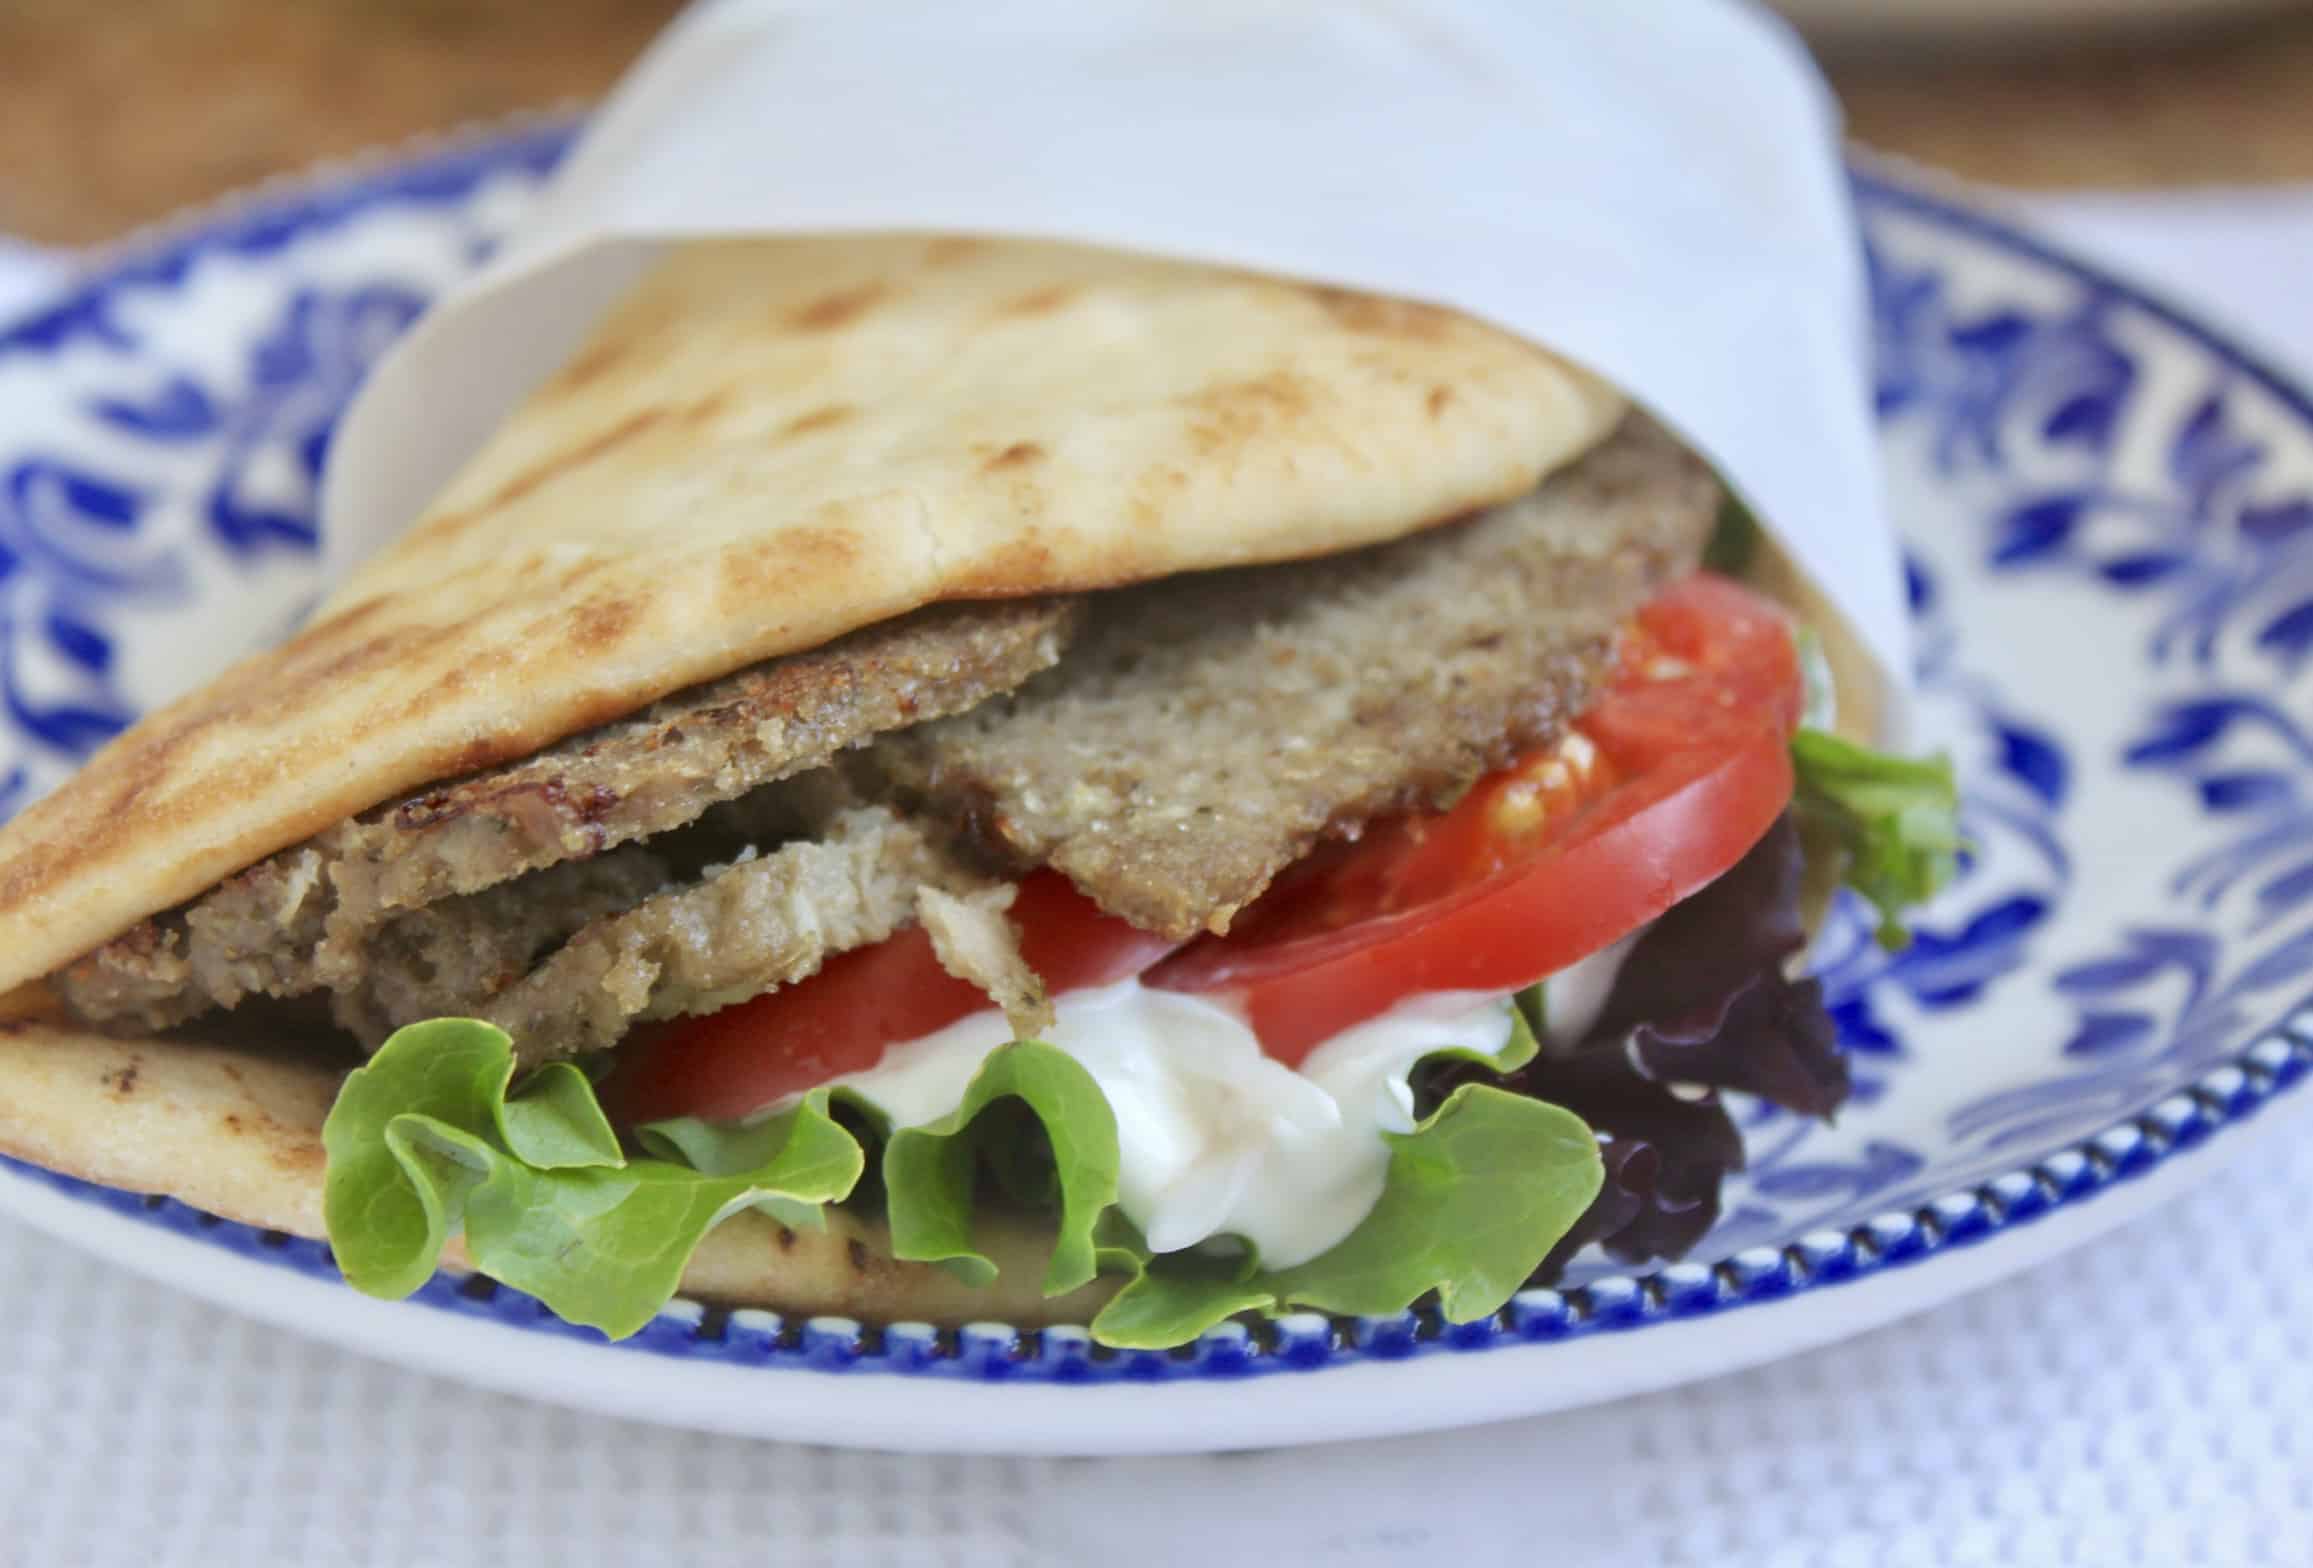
772 442
235 1130
769 444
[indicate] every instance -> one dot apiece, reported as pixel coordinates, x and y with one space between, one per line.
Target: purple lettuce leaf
1703 998
1701 1004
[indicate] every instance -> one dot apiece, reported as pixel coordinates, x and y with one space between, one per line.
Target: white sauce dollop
1214 1137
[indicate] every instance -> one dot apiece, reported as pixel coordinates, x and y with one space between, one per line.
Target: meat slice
257 942
1206 731
451 957
303 920
447 958
1202 733
741 930
667 764
976 944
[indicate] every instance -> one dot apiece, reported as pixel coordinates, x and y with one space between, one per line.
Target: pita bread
236 1131
769 444
1862 712
775 441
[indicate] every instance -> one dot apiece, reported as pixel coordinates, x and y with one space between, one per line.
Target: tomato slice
730 1064
1678 769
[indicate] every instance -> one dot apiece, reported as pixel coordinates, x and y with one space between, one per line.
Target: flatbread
770 443
236 1132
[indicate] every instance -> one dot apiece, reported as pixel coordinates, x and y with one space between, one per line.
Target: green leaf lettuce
426 1141
931 1173
1892 823
1477 1195
434 1138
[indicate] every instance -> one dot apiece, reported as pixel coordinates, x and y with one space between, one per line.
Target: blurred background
115 112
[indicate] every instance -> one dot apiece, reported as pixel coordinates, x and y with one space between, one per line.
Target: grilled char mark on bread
1206 731
310 918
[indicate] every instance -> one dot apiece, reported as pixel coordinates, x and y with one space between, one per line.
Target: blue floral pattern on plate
2110 521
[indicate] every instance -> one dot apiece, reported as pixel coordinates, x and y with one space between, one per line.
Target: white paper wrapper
1651 187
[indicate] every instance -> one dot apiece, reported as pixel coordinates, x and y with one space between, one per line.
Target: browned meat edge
1206 731
741 930
304 919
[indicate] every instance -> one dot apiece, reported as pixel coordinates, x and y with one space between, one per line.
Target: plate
2108 512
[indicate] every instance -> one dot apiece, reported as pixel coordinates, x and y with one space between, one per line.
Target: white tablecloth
2143 1402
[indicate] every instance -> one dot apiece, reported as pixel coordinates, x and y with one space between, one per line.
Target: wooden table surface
115 112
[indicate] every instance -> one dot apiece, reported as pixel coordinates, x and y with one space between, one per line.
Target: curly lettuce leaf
932 1173
1703 997
1893 821
1531 1008
392 1201
435 1137
1476 1197
736 1149
1170 1298
1703 1002
1522 1046
1666 1153
607 1247
430 1139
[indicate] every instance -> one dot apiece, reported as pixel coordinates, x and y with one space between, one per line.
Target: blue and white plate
2110 516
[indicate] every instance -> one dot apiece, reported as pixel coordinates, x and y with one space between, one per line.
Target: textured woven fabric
2138 1403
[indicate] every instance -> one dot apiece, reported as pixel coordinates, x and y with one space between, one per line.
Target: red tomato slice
1682 765
728 1065
1679 768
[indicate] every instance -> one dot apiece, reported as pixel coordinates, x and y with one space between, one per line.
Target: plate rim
1372 1398
2049 1193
